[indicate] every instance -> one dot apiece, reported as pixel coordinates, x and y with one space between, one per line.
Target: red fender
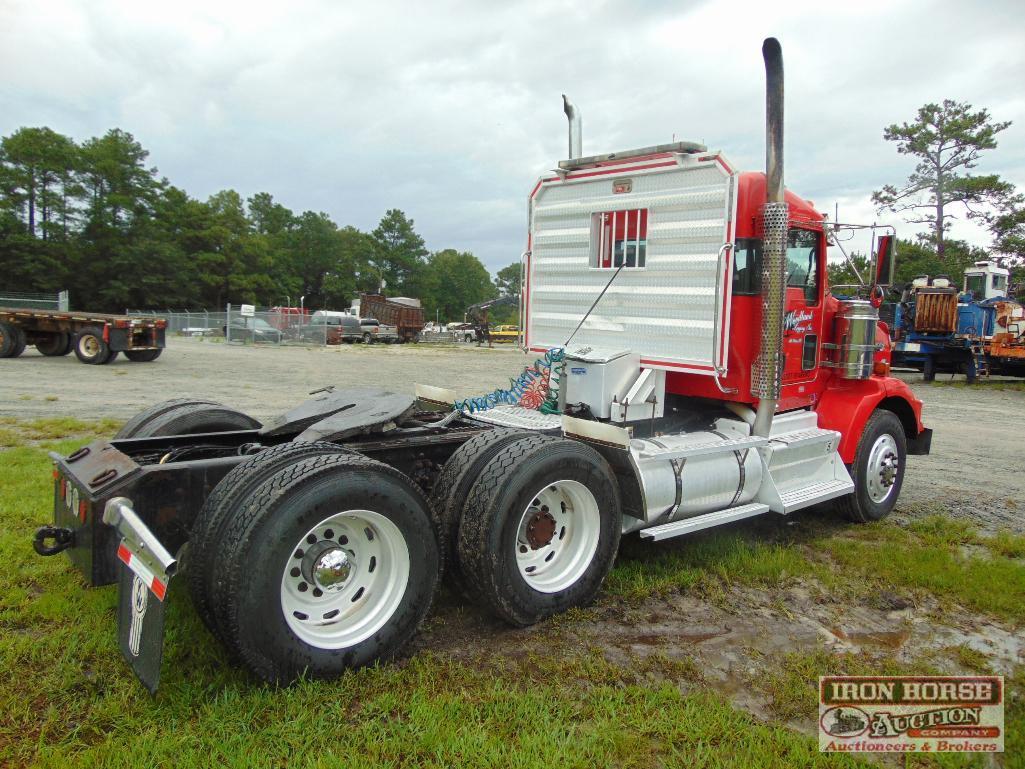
846 405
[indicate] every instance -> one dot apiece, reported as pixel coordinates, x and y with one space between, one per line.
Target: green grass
68 700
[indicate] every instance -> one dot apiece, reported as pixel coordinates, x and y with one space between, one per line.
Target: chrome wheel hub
883 468
332 569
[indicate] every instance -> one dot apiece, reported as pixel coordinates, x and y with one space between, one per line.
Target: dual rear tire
538 530
312 560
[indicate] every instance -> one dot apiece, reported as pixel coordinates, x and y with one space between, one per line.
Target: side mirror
886 260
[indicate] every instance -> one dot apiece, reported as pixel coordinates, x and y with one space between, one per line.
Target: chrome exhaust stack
769 374
576 148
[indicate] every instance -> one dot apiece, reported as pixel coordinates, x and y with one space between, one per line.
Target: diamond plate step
804 496
711 447
517 416
689 525
805 437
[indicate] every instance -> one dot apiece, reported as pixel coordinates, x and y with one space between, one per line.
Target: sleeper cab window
619 239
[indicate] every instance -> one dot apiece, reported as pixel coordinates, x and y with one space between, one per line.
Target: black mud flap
140 627
145 574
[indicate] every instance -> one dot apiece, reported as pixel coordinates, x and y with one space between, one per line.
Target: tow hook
62 540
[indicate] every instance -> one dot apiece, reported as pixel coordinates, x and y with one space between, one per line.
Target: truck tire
90 347
231 493
197 418
368 339
452 489
468 338
55 344
929 369
132 426
143 356
878 469
333 564
535 540
12 340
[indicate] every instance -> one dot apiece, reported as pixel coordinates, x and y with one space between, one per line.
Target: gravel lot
975 469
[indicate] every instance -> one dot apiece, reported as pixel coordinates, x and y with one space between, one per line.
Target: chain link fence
273 326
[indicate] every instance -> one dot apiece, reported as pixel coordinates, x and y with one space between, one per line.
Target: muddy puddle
737 641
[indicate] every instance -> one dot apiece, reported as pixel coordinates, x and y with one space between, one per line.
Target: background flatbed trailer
95 337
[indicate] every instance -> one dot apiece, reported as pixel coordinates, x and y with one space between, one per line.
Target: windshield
976 284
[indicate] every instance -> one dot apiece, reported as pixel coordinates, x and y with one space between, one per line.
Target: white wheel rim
883 468
89 345
335 608
569 512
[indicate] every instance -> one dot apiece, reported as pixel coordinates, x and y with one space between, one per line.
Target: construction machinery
693 370
976 330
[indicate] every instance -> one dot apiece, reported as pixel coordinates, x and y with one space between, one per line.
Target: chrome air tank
700 483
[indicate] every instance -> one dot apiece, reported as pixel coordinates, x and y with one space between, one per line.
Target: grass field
67 699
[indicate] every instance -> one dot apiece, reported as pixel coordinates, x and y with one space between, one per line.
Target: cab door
802 323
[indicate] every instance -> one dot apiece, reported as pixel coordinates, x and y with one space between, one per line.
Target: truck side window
803 262
747 267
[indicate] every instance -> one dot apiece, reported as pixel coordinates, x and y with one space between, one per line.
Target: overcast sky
450 111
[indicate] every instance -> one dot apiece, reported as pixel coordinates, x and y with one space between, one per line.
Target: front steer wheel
878 469
540 529
333 564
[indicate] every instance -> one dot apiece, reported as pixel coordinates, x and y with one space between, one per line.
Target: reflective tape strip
139 568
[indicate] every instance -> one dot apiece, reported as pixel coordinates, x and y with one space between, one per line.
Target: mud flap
140 627
145 574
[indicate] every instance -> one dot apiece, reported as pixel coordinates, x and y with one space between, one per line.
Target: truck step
804 496
697 523
710 447
807 437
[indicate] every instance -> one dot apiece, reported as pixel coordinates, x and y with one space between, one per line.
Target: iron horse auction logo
894 714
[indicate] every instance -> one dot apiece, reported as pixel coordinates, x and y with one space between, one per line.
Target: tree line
96 219
93 217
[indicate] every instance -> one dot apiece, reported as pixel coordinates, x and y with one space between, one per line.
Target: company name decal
929 714
797 321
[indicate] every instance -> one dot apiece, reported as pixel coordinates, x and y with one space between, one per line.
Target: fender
846 406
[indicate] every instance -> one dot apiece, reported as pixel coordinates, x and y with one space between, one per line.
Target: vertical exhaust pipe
575 128
774 244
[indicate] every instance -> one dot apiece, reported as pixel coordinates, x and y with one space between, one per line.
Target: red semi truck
696 370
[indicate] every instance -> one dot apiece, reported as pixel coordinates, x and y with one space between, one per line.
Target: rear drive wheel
540 529
228 496
452 488
90 346
55 344
333 564
12 340
143 356
878 469
368 338
195 418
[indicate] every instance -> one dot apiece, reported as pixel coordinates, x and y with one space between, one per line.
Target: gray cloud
451 110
